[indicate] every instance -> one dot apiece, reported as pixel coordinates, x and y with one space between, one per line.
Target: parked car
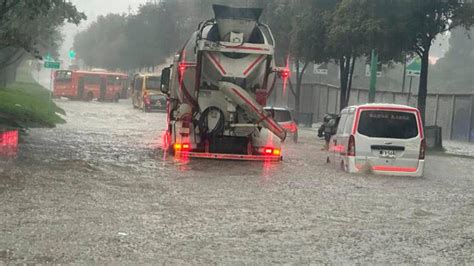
382 138
284 118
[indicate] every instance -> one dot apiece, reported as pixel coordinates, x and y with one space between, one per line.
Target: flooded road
98 189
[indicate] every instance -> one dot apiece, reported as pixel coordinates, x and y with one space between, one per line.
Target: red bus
89 85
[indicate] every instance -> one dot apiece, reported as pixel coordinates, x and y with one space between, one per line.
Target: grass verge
27 105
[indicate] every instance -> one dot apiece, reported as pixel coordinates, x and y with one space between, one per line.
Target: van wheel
89 96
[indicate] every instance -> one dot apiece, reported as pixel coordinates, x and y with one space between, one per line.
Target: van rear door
389 140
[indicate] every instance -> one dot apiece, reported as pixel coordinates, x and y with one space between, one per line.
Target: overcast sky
94 8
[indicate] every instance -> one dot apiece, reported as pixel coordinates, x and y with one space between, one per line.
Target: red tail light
293 127
351 148
271 151
8 143
146 98
182 67
290 127
8 138
422 149
182 146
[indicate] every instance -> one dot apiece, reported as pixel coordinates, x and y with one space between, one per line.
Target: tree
342 31
101 44
31 27
454 70
144 39
286 20
424 20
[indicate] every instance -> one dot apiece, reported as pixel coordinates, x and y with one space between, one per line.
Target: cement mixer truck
217 87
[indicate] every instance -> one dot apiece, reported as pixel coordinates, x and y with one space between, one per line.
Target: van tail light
292 128
422 149
351 148
271 151
146 99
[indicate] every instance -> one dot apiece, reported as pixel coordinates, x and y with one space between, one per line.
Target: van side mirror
165 80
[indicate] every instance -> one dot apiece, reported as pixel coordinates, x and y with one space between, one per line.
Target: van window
348 125
388 124
153 83
342 123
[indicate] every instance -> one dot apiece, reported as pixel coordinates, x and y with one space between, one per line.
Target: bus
89 85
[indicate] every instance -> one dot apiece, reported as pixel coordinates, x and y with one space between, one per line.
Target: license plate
387 154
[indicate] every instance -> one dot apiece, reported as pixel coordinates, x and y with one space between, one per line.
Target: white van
382 138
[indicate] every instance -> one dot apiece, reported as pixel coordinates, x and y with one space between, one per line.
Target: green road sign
72 54
49 64
414 67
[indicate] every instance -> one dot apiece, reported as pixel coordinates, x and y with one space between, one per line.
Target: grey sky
94 8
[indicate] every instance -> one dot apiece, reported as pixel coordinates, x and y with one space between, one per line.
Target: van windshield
153 83
388 124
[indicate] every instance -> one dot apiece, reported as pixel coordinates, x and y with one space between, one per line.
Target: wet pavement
98 189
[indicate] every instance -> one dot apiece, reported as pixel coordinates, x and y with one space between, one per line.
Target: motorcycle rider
328 128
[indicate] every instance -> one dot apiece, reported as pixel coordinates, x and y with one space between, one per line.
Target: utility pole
373 76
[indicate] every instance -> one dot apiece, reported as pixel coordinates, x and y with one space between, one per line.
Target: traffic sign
50 64
414 67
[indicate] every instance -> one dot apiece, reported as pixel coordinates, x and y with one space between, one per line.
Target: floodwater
98 189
